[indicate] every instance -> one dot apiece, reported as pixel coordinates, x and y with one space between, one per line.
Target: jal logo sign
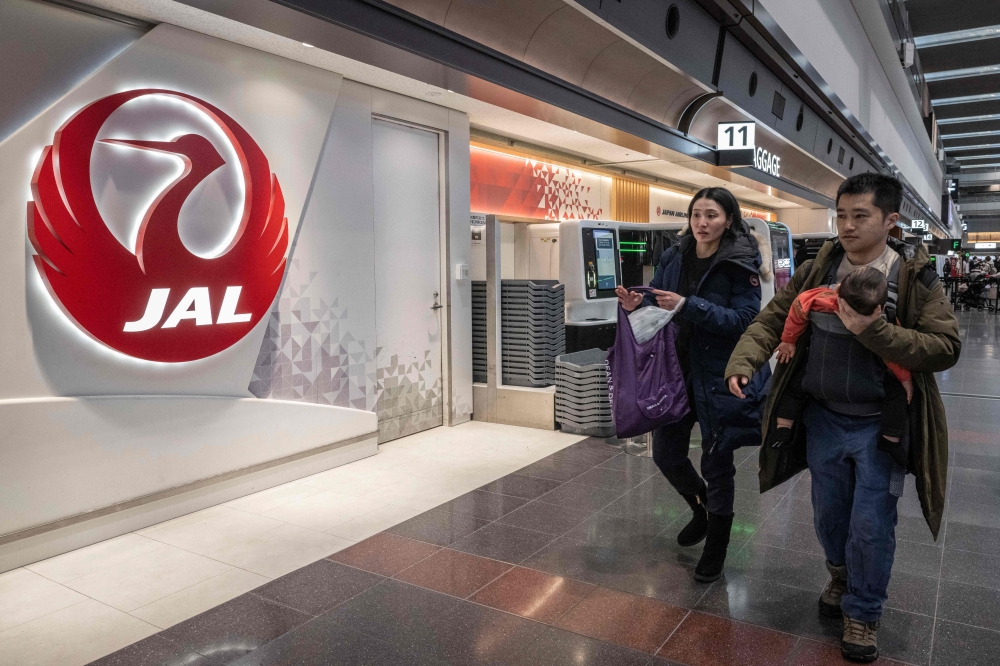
179 280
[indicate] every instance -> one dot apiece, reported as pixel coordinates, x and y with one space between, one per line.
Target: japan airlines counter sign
162 303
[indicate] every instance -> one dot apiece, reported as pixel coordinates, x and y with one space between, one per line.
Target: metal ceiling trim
968 119
964 73
978 146
965 99
968 135
103 13
957 37
390 25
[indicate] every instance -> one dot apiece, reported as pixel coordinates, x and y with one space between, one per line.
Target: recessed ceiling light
308 46
451 91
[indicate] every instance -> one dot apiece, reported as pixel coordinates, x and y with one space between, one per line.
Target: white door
407 280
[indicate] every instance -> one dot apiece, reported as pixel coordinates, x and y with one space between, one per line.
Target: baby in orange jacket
864 290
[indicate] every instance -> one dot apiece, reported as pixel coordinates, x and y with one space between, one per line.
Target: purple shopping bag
645 382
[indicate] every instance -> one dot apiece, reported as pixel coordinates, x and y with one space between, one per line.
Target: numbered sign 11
736 144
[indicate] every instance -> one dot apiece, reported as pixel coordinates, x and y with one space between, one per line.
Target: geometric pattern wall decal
308 353
408 400
505 184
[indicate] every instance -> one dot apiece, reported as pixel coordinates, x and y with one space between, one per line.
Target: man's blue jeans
853 510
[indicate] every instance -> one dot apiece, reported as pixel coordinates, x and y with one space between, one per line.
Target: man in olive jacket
855 485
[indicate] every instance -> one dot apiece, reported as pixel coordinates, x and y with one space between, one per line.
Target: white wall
833 38
808 220
160 427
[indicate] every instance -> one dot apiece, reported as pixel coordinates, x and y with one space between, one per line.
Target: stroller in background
972 293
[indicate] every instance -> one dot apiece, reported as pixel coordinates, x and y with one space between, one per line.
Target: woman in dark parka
713 278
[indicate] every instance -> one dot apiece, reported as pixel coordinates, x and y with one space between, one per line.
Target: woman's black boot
713 559
695 530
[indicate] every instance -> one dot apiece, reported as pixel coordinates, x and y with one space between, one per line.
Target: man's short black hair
864 289
887 191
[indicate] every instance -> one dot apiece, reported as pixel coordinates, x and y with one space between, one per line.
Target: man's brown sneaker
860 642
829 601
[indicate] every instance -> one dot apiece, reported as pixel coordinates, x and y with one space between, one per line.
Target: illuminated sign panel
767 162
160 302
736 143
737 146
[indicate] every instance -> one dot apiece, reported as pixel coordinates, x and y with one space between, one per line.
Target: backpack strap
889 311
928 277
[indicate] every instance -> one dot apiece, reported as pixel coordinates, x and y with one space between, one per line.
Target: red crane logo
162 303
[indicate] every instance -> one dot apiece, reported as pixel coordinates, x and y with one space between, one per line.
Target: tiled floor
572 560
83 605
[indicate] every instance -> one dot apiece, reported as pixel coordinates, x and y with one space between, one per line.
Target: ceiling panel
994 150
970 109
977 126
959 56
971 164
951 144
929 17
973 85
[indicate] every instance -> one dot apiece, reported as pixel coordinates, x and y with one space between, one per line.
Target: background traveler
712 278
855 486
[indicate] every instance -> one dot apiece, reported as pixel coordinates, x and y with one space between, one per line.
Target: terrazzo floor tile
454 573
229 631
635 622
393 612
475 635
962 645
154 651
705 640
533 594
556 647
385 554
438 527
549 518
318 587
503 542
483 505
525 487
582 497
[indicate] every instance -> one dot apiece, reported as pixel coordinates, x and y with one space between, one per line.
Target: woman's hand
667 300
629 300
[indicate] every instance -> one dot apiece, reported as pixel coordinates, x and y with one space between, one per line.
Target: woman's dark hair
727 202
864 289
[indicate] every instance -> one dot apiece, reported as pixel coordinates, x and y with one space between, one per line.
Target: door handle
436 306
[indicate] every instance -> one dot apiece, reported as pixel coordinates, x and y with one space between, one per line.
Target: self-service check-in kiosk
594 258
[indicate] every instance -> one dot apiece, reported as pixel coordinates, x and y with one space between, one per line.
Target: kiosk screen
602 270
781 254
606 276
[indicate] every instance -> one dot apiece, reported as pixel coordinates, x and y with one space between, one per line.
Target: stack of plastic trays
533 331
479 331
582 405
